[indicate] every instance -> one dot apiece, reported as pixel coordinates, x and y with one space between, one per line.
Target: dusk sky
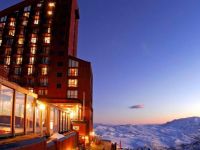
145 56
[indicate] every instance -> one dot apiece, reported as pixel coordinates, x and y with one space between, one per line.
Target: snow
172 134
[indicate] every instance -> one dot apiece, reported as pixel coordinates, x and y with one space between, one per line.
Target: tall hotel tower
38 48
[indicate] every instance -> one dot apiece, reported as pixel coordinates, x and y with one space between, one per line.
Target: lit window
20 50
21 41
19 60
33 40
31 60
49 12
72 82
12 23
73 63
36 20
26 14
49 30
7 60
39 5
30 70
25 22
0 42
42 92
8 51
44 71
33 50
72 94
51 4
47 40
11 32
73 72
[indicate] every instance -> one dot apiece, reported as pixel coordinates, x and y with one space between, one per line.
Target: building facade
38 48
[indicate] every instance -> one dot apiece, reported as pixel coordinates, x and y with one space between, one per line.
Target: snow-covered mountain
177 134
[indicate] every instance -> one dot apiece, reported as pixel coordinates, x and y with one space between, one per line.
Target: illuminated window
39 5
11 32
25 22
12 23
72 83
73 63
42 92
72 94
49 12
21 41
47 40
33 50
0 42
36 20
30 70
73 72
19 60
29 114
31 60
33 40
51 4
49 30
44 71
7 60
26 14
6 101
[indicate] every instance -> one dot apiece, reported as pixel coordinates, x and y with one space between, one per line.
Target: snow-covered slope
174 134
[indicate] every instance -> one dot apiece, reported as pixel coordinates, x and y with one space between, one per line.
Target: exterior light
42 106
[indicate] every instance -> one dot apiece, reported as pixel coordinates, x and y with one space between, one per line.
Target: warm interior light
51 4
49 13
92 133
71 114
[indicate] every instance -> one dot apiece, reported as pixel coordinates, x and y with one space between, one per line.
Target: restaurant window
19 112
44 71
29 114
72 83
6 100
73 63
42 92
19 60
73 72
52 113
11 32
61 121
56 120
72 94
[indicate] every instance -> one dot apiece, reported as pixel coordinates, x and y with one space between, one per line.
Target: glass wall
37 119
6 100
19 112
29 113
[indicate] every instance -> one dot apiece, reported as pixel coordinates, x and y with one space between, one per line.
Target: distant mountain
177 134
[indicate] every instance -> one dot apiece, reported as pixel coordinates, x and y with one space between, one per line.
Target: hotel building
38 50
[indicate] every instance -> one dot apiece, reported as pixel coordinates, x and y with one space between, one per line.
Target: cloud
137 106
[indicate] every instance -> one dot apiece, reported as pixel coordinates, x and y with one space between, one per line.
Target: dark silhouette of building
38 48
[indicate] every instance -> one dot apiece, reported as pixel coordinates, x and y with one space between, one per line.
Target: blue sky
143 53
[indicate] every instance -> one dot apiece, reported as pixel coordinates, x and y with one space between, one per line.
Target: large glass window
6 100
29 114
19 112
